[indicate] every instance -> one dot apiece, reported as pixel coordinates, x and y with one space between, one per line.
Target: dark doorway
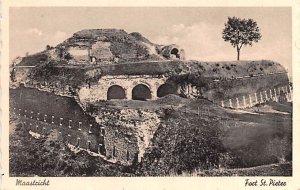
175 52
141 92
166 89
116 92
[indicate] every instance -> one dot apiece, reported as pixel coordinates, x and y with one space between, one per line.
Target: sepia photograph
150 92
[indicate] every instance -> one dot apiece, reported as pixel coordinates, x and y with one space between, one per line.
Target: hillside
216 138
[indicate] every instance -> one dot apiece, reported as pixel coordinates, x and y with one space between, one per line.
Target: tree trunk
238 53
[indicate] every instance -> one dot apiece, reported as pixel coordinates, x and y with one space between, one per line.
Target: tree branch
241 46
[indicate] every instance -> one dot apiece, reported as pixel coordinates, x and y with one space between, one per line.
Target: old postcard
161 95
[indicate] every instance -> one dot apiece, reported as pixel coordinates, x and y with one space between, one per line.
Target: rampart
80 136
60 102
116 135
47 110
248 91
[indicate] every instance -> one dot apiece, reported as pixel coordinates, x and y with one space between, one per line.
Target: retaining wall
278 94
219 90
128 133
43 108
84 137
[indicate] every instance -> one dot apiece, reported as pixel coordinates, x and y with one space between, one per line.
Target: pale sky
197 30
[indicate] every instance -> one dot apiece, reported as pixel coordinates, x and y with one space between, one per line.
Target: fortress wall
232 89
123 140
99 91
126 136
278 94
79 54
37 104
101 51
68 135
117 131
120 138
128 133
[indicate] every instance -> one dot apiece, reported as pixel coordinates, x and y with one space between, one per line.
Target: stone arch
141 92
172 52
166 89
175 52
116 92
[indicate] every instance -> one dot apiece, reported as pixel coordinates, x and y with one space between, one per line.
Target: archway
141 92
166 89
116 92
175 52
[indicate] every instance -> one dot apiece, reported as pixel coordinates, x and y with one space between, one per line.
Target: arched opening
141 92
166 89
116 92
175 52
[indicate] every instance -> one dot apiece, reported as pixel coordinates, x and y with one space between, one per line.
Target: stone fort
106 64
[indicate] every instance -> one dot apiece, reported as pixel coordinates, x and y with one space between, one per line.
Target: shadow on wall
141 92
166 89
173 52
116 92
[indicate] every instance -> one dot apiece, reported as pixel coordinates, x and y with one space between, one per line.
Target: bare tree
241 32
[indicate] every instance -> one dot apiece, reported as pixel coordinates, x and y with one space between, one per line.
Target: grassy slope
217 137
